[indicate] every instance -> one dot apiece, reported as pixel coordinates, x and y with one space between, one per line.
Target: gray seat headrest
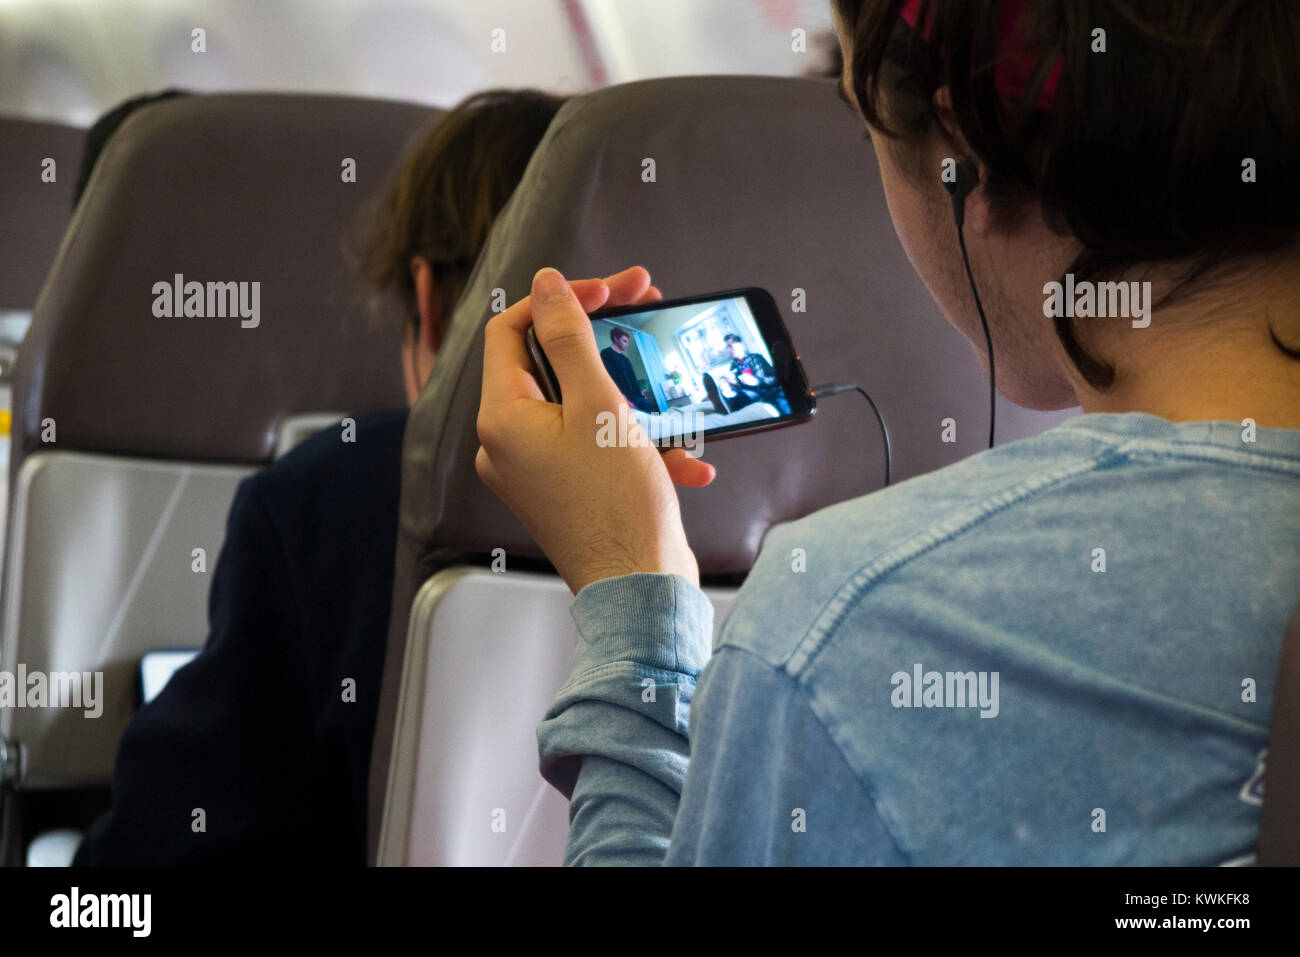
218 189
36 212
756 181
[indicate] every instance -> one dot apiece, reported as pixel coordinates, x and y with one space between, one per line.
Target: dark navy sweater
264 739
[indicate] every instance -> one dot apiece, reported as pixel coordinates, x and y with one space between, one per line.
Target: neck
1208 357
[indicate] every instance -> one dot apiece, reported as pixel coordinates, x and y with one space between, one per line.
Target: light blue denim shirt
1060 651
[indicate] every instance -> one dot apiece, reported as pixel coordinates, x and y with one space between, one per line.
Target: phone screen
704 365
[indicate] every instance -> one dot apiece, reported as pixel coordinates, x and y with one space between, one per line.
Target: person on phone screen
619 367
751 378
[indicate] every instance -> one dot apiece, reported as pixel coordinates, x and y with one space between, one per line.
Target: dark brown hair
1140 153
442 202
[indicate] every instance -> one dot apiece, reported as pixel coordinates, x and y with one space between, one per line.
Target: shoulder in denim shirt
1059 651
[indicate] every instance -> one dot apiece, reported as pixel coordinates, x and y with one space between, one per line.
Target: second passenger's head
432 220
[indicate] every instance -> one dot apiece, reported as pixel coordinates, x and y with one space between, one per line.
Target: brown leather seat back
1279 818
132 429
223 188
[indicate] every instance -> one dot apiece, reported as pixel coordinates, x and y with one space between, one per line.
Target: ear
428 303
978 215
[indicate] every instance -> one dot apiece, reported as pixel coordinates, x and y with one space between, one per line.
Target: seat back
712 183
35 210
132 429
1279 818
102 568
486 653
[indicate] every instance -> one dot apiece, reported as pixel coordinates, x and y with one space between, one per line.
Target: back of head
1161 133
457 177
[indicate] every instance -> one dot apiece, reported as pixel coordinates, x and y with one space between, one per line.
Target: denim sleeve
767 783
614 740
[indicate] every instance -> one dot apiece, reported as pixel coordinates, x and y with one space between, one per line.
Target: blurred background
63 63
66 61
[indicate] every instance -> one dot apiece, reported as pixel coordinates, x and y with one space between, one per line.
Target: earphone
962 185
965 181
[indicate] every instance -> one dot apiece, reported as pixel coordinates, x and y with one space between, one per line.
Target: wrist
677 561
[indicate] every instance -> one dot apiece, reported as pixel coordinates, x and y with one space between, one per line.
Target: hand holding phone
595 510
669 359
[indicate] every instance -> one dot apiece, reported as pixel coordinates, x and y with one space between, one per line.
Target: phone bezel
788 368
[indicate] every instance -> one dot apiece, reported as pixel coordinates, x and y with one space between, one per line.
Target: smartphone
711 365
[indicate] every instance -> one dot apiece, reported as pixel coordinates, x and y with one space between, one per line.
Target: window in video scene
696 367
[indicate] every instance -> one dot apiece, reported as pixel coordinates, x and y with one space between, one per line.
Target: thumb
565 335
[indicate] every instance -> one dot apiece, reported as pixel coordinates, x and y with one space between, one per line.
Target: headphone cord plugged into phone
967 178
835 388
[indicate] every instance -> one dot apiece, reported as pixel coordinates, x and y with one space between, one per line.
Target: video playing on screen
693 368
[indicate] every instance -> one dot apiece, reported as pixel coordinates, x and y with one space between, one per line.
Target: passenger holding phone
1119 691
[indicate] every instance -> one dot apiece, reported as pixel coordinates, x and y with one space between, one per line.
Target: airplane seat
1279 817
35 212
141 402
712 183
464 788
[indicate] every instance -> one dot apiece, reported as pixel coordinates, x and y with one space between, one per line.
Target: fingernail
548 284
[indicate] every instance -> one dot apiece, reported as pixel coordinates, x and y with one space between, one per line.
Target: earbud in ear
964 182
967 178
